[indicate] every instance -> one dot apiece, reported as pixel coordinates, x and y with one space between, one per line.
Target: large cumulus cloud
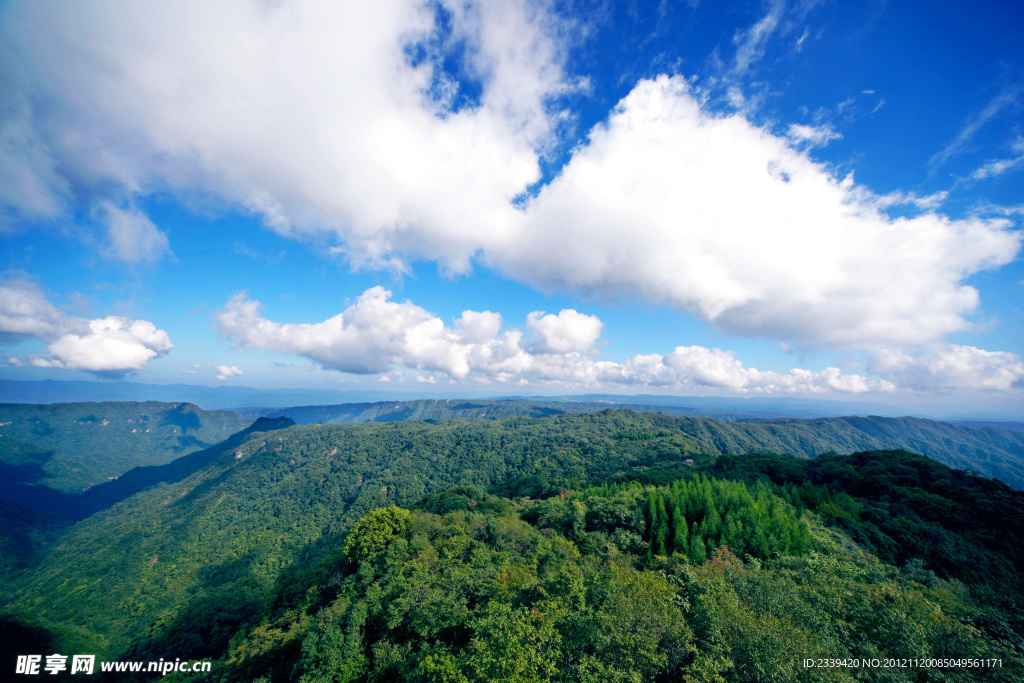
716 216
333 117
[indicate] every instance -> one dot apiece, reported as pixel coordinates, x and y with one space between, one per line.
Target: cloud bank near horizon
376 335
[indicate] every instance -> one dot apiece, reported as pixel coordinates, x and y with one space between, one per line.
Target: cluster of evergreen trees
700 514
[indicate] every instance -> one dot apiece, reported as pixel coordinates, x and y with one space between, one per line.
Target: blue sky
755 198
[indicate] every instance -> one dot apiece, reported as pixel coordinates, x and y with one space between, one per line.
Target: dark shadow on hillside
226 597
397 416
14 489
21 638
545 412
23 530
189 441
183 418
229 600
103 496
43 429
26 473
16 486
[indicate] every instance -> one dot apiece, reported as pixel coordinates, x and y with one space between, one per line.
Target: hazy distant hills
990 424
209 398
71 446
256 400
448 409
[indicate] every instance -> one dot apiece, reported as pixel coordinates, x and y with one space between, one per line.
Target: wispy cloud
1007 97
752 42
997 167
269 259
131 236
813 136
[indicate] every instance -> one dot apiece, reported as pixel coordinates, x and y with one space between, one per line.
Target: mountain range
233 550
220 554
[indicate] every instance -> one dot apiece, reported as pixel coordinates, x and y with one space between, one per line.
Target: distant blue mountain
240 398
208 398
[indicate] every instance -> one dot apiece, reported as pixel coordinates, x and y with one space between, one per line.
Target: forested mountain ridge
449 409
71 446
198 567
993 453
996 453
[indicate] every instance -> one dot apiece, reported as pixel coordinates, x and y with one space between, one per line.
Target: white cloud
131 235
109 346
369 337
565 332
813 136
478 327
997 167
25 311
951 366
112 345
377 336
718 217
225 371
339 121
319 116
1007 97
696 366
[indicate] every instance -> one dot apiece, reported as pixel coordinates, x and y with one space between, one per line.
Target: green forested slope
71 446
470 587
216 541
245 559
995 453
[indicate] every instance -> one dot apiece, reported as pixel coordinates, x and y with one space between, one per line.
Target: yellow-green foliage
373 532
